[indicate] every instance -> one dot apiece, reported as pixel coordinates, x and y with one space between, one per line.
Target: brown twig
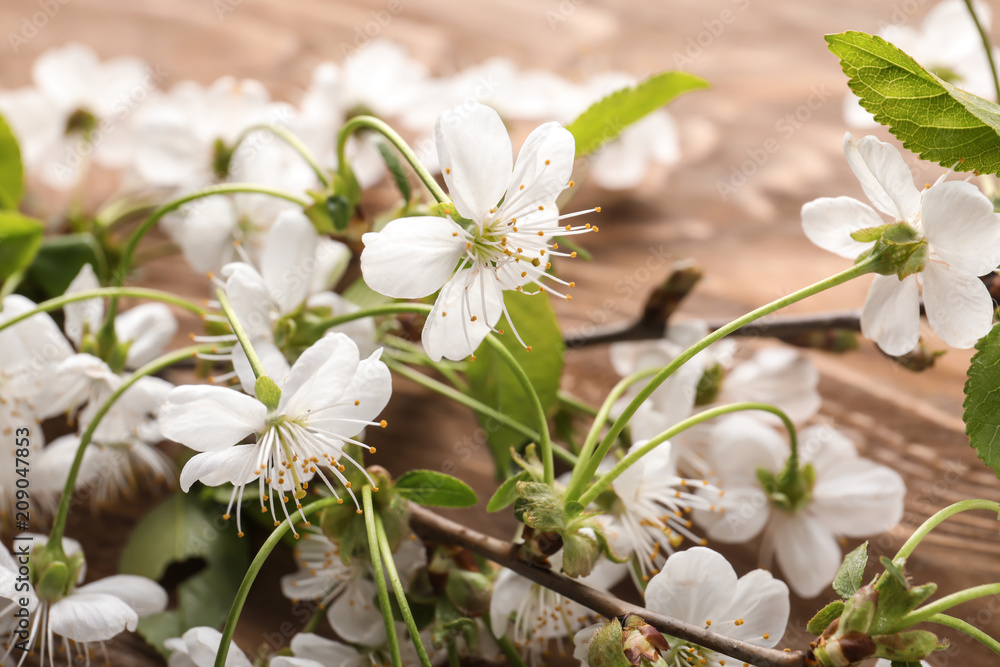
430 525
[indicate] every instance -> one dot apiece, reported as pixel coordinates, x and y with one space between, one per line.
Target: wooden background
773 81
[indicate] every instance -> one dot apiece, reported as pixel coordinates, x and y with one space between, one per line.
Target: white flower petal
91 617
251 299
362 401
959 306
779 376
746 511
289 260
210 418
884 177
476 158
807 552
412 257
825 446
762 602
694 586
271 358
509 592
449 331
354 615
858 497
961 226
740 444
235 465
200 646
144 595
83 315
541 172
205 232
320 375
891 314
829 221
149 327
325 652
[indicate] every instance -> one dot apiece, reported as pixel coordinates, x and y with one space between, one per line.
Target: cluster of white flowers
304 372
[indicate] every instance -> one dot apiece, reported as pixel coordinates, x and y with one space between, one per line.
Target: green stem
9 285
241 334
372 123
375 311
158 364
137 292
574 403
290 139
986 45
316 617
453 658
258 562
932 522
383 592
397 587
564 454
514 658
944 604
967 628
128 252
459 397
603 417
591 464
545 441
623 465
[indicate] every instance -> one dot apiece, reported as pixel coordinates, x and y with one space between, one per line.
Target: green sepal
606 646
911 645
506 493
267 392
54 582
824 617
580 554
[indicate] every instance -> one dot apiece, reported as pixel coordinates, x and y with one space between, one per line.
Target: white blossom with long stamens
507 244
330 395
653 518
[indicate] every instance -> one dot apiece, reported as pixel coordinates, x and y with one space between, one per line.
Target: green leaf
982 403
492 382
932 118
852 571
60 258
395 168
181 530
20 238
824 617
608 117
507 493
436 489
11 169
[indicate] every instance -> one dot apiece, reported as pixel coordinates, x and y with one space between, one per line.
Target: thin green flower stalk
258 562
967 628
136 292
605 481
54 545
241 334
985 36
397 587
545 440
383 591
941 515
128 251
293 141
372 123
590 464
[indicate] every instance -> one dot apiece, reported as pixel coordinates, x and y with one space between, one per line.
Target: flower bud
606 648
470 592
642 641
909 646
580 553
844 650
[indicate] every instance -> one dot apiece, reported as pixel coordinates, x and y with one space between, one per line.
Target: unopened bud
606 649
844 650
470 592
909 646
642 641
